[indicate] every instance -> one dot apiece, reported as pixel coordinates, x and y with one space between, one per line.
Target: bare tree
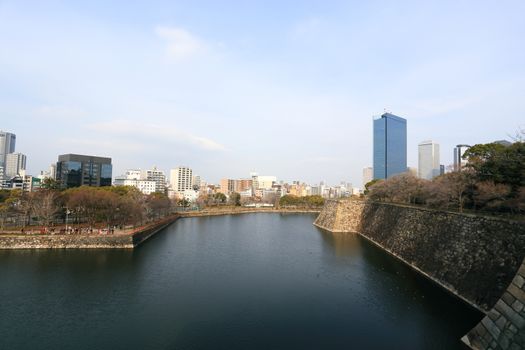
490 195
45 205
451 189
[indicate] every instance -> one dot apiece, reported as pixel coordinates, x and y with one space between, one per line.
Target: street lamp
67 218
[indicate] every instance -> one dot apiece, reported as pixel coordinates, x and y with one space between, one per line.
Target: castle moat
251 281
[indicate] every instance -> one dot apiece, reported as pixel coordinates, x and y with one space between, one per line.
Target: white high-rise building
2 178
158 176
15 163
51 173
181 179
368 175
197 181
428 165
263 182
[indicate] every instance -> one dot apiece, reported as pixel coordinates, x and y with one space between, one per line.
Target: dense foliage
109 205
306 201
493 180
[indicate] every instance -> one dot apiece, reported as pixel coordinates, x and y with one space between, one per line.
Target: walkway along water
118 239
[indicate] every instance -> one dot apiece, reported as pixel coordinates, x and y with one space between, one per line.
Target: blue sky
281 88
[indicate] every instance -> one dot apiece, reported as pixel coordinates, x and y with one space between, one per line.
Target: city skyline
169 83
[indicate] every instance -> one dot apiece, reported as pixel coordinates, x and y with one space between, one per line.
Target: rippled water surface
251 281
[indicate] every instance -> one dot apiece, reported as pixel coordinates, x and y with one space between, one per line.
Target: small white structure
134 178
191 195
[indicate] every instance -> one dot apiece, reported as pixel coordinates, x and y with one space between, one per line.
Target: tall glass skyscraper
390 146
7 145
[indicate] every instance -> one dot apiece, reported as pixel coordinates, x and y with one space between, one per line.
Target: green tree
183 202
304 202
235 199
4 194
498 163
369 184
158 204
219 197
50 184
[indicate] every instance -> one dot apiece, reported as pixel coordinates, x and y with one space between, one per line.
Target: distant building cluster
390 152
13 165
74 170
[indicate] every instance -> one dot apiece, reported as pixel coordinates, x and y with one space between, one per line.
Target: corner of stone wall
326 218
343 215
504 326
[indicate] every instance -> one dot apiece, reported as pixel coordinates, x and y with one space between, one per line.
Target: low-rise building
135 178
74 170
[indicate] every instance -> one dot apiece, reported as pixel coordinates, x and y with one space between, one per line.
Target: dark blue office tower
390 146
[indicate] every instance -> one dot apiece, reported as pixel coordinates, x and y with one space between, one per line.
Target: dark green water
252 281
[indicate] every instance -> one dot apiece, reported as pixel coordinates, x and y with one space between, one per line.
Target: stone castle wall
64 241
76 241
504 326
474 257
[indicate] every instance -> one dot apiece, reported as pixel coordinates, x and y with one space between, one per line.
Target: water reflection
405 299
252 281
343 243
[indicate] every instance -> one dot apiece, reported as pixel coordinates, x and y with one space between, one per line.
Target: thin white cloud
164 132
101 146
181 44
59 112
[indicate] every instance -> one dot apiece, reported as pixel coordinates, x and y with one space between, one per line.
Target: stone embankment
474 257
504 326
118 240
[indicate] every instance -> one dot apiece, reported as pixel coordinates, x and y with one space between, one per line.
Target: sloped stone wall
76 241
504 326
64 241
474 257
341 216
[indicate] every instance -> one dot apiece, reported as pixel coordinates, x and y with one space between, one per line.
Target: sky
284 88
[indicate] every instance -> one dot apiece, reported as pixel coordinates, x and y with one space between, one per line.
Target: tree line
112 206
314 201
493 180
